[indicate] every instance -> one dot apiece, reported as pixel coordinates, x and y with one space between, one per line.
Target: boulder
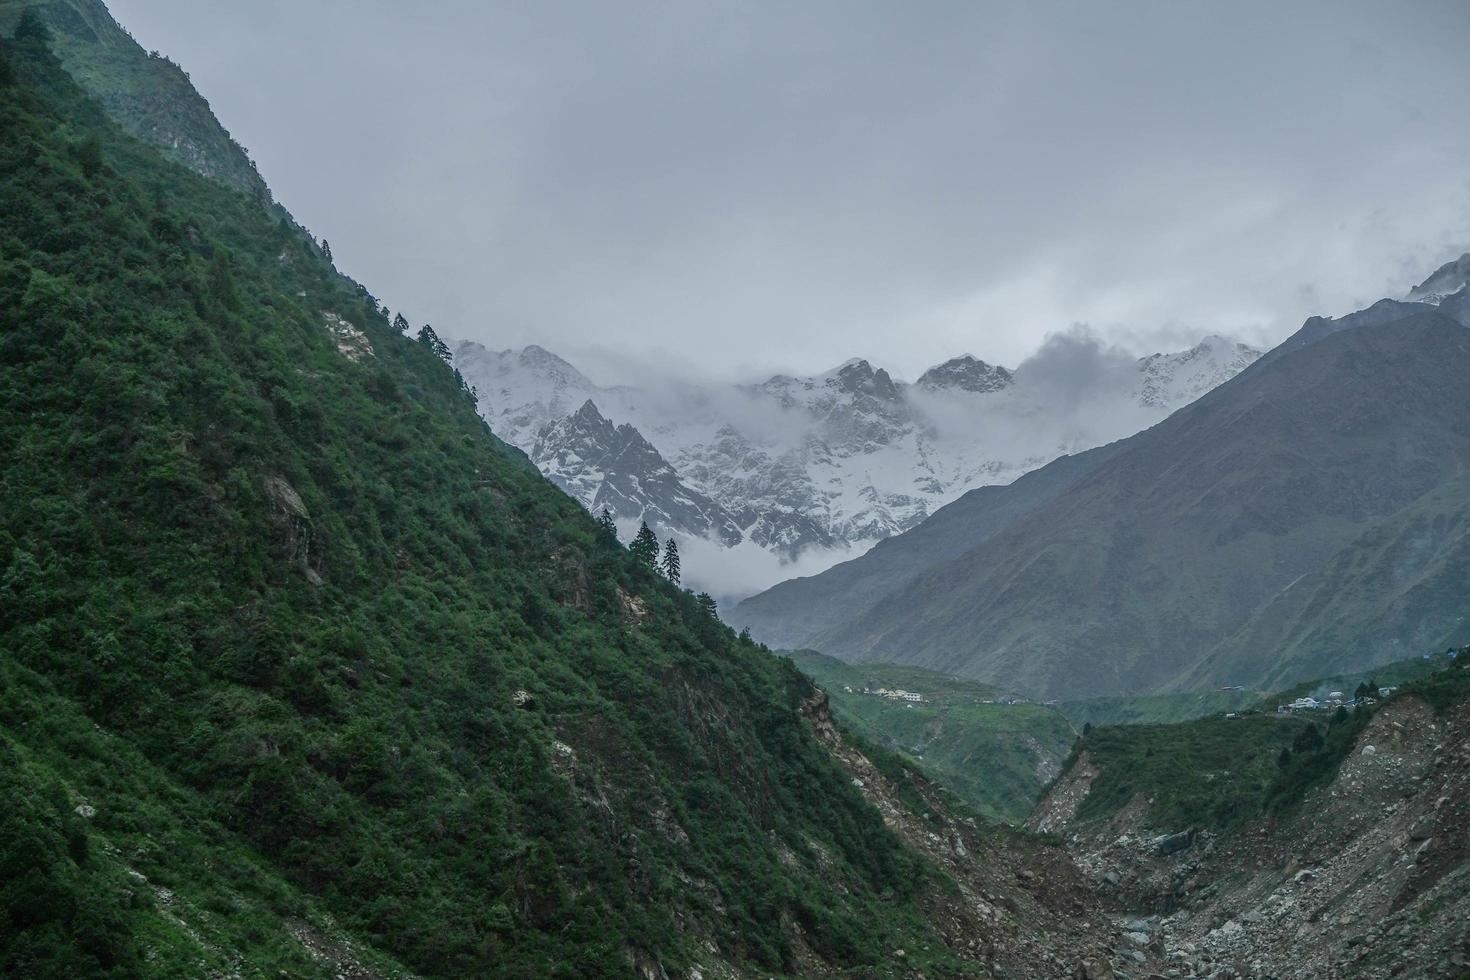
1173 843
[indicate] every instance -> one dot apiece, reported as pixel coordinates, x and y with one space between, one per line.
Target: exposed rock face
351 342
1446 281
967 373
1368 877
616 468
1022 907
295 530
837 460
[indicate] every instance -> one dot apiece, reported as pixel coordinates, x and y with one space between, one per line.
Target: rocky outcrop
616 468
1021 906
349 339
966 373
1369 877
835 460
296 533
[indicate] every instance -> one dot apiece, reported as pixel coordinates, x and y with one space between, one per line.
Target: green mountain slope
289 634
996 757
147 94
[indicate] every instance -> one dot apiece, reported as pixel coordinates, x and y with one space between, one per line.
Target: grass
995 757
1219 772
1153 709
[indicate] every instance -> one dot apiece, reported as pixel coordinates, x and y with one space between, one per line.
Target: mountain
144 92
1168 381
966 373
790 615
1394 591
307 674
1315 844
825 464
617 469
1446 281
1336 459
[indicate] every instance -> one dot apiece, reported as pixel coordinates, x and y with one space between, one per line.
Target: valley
317 661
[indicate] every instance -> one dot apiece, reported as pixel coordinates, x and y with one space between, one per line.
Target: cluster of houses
1331 702
893 694
1335 699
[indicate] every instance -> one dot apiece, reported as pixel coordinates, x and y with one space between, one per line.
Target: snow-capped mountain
614 467
825 463
966 372
1169 380
1443 284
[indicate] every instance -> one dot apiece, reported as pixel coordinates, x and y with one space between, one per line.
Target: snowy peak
615 467
966 373
520 391
534 366
819 465
1447 280
588 415
1168 381
858 377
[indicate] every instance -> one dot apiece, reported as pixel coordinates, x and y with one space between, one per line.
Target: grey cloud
740 189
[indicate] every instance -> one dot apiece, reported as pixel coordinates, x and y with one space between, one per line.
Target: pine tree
431 340
326 251
608 525
400 323
645 546
707 603
670 562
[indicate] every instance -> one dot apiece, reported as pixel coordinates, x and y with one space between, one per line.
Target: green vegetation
1219 772
1313 756
1395 674
996 757
1211 772
146 93
1445 688
285 631
1155 709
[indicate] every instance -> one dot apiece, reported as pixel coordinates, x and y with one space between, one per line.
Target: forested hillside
304 671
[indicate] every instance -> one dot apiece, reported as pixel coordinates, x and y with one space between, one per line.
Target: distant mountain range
828 463
1307 516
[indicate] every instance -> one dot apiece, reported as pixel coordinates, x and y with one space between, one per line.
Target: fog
730 190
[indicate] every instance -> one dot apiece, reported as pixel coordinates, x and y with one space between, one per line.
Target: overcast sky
732 189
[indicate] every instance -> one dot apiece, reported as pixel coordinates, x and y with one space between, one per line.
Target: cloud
732 574
739 189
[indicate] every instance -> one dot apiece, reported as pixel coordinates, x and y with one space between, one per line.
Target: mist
723 192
